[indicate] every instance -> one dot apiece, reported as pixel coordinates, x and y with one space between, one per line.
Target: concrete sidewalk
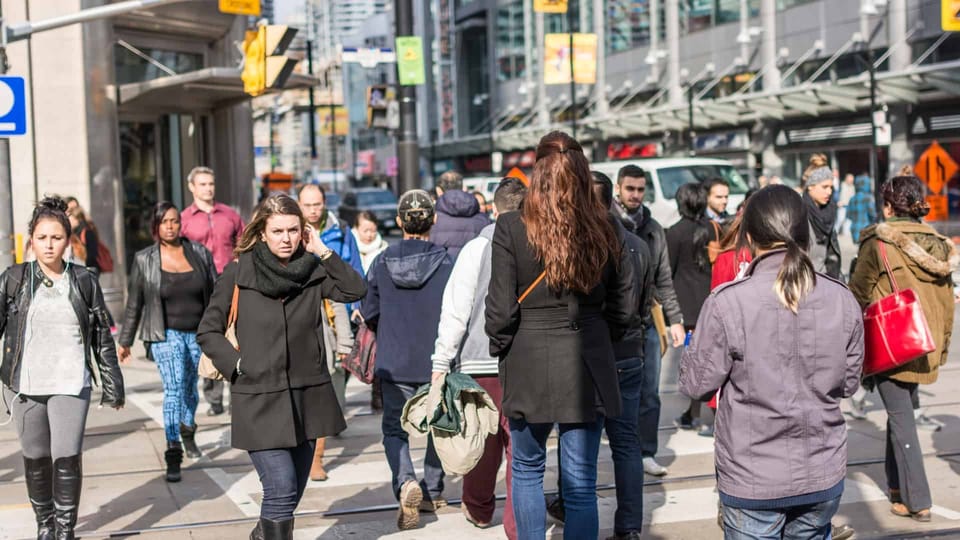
124 491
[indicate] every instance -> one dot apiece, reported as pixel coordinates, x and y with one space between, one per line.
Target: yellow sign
340 124
556 63
936 168
241 7
550 6
950 15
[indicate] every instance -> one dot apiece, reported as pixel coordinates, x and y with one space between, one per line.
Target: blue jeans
397 446
648 415
625 447
177 359
806 522
283 474
579 446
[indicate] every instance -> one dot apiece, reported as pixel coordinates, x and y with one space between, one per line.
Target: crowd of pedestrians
556 300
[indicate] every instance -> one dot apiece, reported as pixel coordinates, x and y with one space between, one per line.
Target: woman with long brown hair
558 292
282 395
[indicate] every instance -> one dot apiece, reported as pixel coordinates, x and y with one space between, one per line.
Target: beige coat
922 260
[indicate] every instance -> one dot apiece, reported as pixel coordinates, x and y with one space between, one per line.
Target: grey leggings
49 426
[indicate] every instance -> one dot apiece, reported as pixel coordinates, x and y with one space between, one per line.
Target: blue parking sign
13 107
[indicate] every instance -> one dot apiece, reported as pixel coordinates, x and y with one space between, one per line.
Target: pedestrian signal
264 65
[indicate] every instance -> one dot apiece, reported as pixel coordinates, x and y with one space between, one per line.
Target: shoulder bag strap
234 304
716 229
532 287
886 265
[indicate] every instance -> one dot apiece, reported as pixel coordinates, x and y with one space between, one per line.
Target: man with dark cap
405 287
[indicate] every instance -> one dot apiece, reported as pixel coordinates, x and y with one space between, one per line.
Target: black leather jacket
86 297
144 305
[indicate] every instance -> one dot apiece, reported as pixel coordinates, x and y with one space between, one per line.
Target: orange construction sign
935 167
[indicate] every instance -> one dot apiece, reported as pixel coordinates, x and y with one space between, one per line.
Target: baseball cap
415 203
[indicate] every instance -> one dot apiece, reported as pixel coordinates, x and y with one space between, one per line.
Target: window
671 178
948 50
628 25
510 49
132 68
784 4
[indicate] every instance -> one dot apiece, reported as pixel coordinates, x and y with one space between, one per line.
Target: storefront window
628 25
510 47
948 50
729 10
132 67
699 14
784 4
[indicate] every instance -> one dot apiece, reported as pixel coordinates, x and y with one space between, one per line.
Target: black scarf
276 280
822 218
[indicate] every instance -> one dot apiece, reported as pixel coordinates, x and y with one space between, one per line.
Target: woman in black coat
555 344
282 397
687 242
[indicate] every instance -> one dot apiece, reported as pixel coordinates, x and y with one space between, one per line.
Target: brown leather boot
316 470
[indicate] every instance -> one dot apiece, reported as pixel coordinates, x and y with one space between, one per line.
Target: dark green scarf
276 280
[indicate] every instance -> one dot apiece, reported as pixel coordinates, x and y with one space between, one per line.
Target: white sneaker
651 467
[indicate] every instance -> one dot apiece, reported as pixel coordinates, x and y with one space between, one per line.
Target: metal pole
675 92
16 32
600 89
408 153
543 113
573 82
333 131
313 105
771 72
874 167
690 133
8 252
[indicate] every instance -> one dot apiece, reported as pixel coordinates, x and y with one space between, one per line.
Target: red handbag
895 330
363 358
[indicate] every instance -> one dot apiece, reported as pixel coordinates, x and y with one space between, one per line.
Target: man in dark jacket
459 217
403 302
625 444
630 190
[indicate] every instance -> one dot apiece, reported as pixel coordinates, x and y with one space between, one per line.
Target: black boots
39 477
189 441
174 457
268 529
68 479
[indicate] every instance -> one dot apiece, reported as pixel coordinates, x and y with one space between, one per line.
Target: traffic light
264 65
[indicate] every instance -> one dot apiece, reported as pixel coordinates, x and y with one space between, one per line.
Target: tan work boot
316 470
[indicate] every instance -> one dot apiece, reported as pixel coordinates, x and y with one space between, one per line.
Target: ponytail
796 277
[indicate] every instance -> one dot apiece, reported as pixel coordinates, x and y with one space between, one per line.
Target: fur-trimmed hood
929 250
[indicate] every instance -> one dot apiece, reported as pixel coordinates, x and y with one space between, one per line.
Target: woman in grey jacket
781 440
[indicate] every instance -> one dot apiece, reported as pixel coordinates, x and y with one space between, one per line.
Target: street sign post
13 107
410 68
936 167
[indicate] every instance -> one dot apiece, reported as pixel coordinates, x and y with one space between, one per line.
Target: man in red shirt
217 227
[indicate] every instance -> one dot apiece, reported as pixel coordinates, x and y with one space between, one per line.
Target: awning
912 85
196 91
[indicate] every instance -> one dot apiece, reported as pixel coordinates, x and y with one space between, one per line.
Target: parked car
382 202
333 201
666 175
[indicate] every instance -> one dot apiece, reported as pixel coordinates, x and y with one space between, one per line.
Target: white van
666 175
486 185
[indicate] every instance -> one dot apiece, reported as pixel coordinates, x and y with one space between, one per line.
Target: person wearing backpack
58 343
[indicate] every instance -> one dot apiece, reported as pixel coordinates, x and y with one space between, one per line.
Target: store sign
337 123
556 64
633 149
722 142
936 167
366 162
241 7
550 6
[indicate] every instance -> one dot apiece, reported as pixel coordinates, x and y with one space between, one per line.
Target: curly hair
906 195
567 226
53 208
